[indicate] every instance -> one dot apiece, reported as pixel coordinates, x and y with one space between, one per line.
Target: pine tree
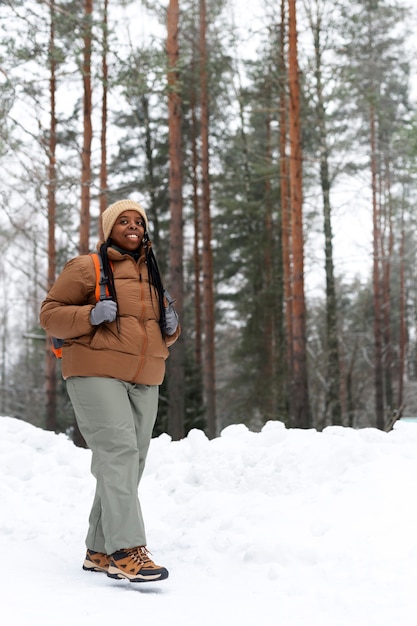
176 363
299 400
377 77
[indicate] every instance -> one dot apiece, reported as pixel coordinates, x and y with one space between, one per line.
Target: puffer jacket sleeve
171 339
65 312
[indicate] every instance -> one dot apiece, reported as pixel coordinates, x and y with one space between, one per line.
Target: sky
285 527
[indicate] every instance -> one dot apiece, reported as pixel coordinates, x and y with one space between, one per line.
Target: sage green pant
116 420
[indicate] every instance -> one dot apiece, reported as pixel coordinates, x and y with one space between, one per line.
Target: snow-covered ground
280 528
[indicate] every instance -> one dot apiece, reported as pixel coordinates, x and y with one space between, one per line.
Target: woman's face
128 231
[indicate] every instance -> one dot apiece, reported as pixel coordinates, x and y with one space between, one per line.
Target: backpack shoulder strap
56 346
102 293
102 289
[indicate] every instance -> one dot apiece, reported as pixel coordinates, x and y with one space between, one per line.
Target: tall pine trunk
333 409
207 260
87 130
50 360
176 362
376 281
268 335
150 169
198 349
387 256
299 388
85 218
403 322
285 206
103 136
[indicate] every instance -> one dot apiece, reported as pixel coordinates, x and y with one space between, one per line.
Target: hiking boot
96 562
136 565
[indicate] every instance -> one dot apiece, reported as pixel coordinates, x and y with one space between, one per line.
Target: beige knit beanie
110 215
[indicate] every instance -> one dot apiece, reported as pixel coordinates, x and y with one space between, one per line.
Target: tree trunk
85 219
299 387
333 410
87 130
103 138
285 206
150 171
386 295
269 339
198 350
50 360
176 362
377 296
403 326
207 260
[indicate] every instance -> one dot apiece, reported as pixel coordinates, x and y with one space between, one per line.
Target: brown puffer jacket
135 351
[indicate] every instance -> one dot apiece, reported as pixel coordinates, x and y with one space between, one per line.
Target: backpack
102 293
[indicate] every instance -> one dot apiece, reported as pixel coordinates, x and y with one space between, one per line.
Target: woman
113 361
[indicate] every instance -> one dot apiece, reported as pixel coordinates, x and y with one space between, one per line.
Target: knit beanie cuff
110 215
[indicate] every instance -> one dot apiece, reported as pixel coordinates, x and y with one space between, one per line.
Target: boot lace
140 555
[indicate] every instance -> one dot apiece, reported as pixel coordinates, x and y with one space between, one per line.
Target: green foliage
250 285
365 63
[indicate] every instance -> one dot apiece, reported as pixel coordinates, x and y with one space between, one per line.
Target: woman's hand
171 316
104 311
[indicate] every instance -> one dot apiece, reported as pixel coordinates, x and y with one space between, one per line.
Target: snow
286 527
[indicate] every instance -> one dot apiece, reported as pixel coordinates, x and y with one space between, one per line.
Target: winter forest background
274 148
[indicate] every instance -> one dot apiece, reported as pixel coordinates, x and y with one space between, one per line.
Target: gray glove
171 316
104 311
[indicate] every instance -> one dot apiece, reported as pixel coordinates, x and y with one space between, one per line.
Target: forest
274 148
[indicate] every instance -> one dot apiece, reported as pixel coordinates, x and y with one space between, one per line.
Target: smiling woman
113 361
114 211
128 230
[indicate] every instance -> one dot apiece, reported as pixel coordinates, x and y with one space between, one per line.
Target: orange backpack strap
102 290
56 347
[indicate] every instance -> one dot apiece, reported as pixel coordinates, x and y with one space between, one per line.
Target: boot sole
91 567
117 574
